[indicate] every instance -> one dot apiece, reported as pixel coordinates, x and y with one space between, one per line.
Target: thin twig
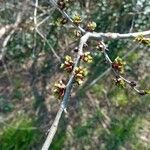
53 2
109 69
100 35
11 29
35 25
52 49
117 74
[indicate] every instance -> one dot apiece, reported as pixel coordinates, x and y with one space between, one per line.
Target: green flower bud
77 19
91 26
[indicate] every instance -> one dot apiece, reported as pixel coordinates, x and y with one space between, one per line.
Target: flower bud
142 92
100 46
91 26
132 83
118 65
87 57
77 33
119 81
62 4
59 89
80 74
77 19
143 40
68 64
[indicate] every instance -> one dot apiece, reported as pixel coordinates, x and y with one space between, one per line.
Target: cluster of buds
61 21
132 83
62 4
119 81
91 26
77 33
144 92
77 19
100 46
118 65
143 40
68 64
87 57
59 89
80 73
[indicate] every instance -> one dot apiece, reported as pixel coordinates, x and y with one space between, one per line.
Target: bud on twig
143 40
68 64
118 65
87 57
142 92
80 74
91 26
59 89
77 19
62 4
119 81
132 83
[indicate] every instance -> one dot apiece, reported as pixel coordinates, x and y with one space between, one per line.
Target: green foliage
5 106
88 127
119 97
21 133
121 130
98 90
17 94
59 141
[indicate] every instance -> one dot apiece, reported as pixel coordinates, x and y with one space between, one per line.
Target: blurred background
101 115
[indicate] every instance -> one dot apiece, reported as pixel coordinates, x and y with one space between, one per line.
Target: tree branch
117 35
83 40
68 89
100 35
